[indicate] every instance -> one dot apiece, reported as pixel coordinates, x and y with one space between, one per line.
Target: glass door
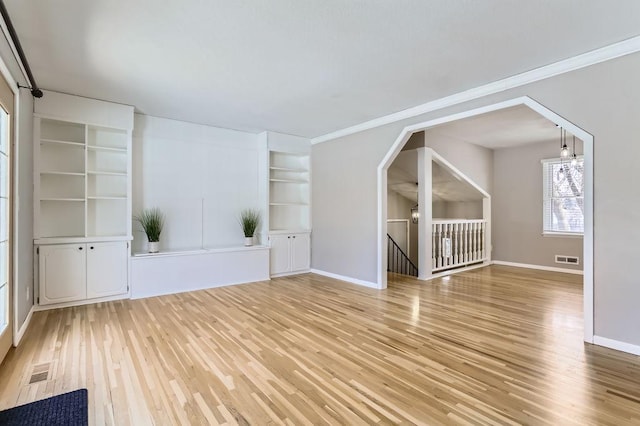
6 301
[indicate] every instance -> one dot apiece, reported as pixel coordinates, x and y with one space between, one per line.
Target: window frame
551 233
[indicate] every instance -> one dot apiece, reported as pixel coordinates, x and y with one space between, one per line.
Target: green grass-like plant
249 220
152 221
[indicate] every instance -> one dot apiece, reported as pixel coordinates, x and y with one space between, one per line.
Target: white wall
201 177
603 99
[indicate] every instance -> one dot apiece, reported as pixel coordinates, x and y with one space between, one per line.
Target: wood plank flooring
496 345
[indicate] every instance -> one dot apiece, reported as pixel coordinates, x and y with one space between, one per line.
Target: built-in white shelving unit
289 207
289 203
82 197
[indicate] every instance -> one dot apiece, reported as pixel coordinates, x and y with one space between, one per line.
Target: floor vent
40 373
569 260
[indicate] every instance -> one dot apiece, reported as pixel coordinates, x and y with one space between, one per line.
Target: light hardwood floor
497 345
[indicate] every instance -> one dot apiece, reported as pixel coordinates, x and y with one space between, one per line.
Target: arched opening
588 190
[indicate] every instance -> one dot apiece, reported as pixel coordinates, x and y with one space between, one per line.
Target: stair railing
398 261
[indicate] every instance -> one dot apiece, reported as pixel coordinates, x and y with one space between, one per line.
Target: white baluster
440 259
474 244
466 242
455 243
433 245
483 225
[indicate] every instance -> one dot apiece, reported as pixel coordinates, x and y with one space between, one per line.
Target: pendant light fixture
415 214
564 149
574 157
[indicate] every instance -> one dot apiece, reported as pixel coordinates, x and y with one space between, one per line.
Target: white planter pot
248 241
154 246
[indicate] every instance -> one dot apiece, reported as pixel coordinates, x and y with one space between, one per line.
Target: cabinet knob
294 236
289 236
91 247
79 248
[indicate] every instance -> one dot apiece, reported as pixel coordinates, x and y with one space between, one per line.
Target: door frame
13 206
587 139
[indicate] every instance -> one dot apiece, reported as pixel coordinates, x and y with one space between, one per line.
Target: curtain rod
35 91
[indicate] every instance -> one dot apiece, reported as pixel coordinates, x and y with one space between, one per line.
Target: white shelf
288 204
106 149
81 239
62 173
288 169
63 199
289 180
103 173
108 198
61 142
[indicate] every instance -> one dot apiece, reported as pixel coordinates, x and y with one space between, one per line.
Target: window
563 197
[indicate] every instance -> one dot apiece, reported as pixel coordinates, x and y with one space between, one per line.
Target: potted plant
249 220
152 221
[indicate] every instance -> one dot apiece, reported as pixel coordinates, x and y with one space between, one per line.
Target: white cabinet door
279 253
62 273
107 272
300 252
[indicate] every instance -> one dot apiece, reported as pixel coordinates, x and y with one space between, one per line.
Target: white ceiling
519 125
300 67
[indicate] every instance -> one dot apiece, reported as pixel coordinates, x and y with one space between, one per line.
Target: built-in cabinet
289 253
82 197
75 272
289 199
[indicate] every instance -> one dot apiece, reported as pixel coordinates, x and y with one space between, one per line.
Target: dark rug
69 409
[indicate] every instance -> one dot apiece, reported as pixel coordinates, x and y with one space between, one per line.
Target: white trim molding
346 279
17 337
584 60
538 267
617 345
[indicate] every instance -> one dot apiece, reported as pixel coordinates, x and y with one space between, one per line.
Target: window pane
563 204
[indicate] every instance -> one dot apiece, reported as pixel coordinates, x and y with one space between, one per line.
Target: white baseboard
345 278
288 274
23 329
617 345
540 267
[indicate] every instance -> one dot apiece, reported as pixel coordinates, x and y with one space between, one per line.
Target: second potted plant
249 220
152 221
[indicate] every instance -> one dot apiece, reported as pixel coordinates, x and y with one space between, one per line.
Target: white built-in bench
187 270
